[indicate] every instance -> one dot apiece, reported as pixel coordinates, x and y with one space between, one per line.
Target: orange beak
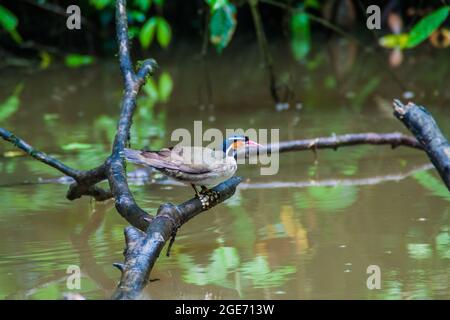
253 143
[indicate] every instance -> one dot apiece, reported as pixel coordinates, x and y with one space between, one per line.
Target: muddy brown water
310 231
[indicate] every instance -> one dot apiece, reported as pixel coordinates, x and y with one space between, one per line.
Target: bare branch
423 126
38 155
334 142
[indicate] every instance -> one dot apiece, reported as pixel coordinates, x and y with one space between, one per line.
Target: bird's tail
134 156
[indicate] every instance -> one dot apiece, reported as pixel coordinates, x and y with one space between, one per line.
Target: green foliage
77 60
419 32
300 35
426 26
46 60
162 29
163 32
222 23
11 104
159 3
147 32
216 4
135 16
101 4
394 41
159 92
144 5
9 22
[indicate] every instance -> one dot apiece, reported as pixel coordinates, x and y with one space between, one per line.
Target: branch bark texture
423 126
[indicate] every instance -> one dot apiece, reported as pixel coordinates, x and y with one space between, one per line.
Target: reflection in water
308 232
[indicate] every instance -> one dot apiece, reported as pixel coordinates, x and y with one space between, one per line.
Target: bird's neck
231 152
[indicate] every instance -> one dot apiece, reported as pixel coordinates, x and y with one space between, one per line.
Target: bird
195 166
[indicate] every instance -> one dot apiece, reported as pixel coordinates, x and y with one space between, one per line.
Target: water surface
308 232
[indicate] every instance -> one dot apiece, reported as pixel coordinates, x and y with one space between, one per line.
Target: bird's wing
192 160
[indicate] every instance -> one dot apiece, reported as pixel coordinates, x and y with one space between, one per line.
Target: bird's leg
196 191
208 197
205 190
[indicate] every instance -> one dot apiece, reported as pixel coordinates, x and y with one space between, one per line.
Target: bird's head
233 143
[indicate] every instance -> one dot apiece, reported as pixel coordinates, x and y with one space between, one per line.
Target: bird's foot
208 198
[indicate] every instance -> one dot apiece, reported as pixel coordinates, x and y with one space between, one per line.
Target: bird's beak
254 144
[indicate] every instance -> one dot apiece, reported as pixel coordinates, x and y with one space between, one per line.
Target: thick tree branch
142 249
423 126
124 200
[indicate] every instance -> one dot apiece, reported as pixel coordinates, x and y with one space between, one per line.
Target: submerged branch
423 126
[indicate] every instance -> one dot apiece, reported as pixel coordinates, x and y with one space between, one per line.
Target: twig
38 155
423 126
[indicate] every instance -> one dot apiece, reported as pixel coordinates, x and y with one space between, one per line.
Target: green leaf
46 59
312 4
163 33
426 26
216 4
165 85
100 4
147 32
7 19
144 5
77 60
392 41
222 26
159 3
300 35
9 22
135 15
133 31
11 104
